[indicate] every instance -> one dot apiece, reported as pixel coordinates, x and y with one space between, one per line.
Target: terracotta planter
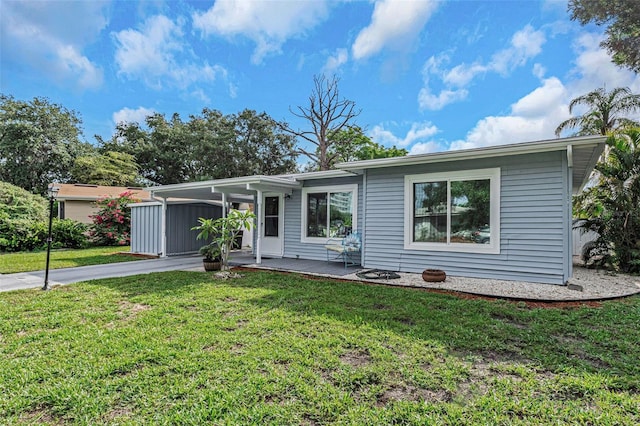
434 275
211 265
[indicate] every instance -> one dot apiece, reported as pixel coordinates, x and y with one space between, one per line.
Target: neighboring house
76 201
501 212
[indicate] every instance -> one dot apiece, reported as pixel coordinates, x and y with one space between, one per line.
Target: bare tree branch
327 114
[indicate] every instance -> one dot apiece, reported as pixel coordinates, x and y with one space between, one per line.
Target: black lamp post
52 192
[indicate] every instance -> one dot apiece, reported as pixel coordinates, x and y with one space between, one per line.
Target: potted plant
212 257
224 231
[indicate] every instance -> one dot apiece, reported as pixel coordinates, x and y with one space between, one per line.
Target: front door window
271 216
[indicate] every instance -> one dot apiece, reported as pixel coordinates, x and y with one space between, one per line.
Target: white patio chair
346 249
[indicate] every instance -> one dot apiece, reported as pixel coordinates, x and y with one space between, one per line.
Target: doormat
377 274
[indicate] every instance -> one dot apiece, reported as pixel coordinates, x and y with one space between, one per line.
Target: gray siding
180 219
146 229
293 246
533 208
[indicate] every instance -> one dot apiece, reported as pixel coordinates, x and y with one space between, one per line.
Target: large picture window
328 212
456 211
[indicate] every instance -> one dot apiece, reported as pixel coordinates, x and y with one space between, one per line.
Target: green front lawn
35 261
271 348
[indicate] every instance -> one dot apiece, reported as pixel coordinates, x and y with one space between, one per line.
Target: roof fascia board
493 151
229 182
324 174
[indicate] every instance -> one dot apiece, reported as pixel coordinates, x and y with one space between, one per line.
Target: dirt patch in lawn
412 393
41 415
356 358
128 310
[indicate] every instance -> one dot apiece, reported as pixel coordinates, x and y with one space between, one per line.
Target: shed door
272 225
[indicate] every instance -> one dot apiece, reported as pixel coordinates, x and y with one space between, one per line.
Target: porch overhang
246 189
241 189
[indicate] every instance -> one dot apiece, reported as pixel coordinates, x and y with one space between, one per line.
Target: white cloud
128 115
542 100
40 35
335 61
154 54
394 24
425 148
462 74
536 115
593 68
525 44
417 133
533 117
428 100
269 24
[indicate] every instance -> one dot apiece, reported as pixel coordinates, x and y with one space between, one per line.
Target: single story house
76 200
501 212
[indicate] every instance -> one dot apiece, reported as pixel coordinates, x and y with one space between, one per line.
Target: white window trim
353 188
492 174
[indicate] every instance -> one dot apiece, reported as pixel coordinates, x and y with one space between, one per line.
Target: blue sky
428 75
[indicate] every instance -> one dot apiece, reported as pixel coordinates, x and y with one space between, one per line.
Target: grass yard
35 261
270 348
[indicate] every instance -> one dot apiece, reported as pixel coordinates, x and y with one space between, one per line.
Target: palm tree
606 110
612 206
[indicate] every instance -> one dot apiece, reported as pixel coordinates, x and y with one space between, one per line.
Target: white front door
272 221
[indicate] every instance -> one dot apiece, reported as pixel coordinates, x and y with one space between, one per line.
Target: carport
255 190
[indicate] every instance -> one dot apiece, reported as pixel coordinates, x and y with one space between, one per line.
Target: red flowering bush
112 224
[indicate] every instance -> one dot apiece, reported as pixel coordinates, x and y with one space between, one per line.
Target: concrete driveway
25 280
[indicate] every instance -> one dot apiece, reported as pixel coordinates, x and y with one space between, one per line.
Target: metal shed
181 216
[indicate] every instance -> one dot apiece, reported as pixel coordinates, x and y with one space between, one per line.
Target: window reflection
463 219
317 215
470 211
430 212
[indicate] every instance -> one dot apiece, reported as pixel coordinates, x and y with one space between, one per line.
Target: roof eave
475 153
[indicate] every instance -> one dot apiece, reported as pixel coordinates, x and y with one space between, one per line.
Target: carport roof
240 189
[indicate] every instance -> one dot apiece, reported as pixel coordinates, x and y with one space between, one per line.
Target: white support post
224 204
258 226
163 231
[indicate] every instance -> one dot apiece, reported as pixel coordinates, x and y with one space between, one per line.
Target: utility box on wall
146 226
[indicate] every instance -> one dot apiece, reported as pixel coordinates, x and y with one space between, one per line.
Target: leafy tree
622 18
112 223
328 114
111 169
612 207
353 145
207 146
605 113
261 147
39 142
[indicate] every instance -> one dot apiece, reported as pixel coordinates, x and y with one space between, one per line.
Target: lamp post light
52 192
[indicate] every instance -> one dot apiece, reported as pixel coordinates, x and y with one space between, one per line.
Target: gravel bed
585 285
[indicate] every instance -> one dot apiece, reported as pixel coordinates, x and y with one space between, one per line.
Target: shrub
68 233
22 235
112 224
18 203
